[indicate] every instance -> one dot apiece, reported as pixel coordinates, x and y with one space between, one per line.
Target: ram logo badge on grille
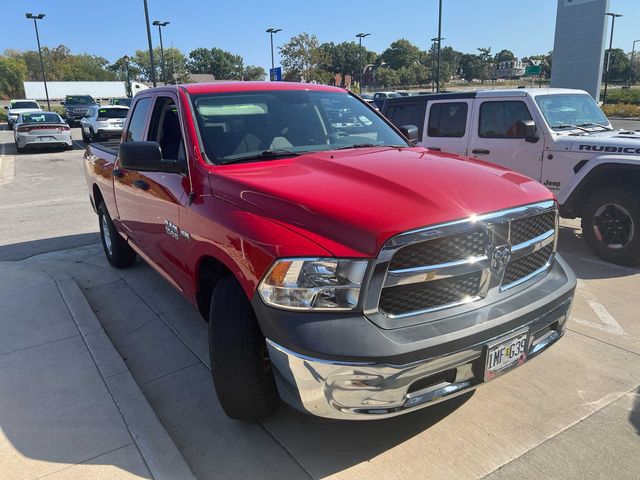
500 258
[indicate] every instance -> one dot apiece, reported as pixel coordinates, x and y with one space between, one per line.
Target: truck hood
350 202
622 142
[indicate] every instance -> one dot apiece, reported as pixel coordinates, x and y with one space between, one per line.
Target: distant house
509 69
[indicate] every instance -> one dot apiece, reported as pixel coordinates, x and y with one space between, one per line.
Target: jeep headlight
313 284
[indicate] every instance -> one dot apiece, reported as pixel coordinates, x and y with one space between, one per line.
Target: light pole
126 68
153 67
631 72
360 36
439 43
606 73
271 31
35 18
160 24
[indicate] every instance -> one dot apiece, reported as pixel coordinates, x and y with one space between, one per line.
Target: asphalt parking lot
574 412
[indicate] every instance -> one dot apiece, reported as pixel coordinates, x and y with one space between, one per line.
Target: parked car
18 106
102 123
41 130
559 137
122 101
77 106
340 268
380 97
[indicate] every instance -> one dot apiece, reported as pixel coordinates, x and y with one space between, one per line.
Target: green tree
220 63
401 53
407 76
618 65
386 77
504 56
253 73
301 57
13 71
344 58
119 69
472 67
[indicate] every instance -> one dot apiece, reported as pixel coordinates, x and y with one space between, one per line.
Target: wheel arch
209 270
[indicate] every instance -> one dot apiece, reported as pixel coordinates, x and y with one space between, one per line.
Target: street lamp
271 31
153 67
360 36
433 60
126 68
606 73
160 24
35 19
631 72
439 43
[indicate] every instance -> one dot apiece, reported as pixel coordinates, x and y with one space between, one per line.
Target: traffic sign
275 74
533 70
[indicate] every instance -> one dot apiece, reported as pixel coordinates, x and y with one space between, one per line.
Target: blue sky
112 28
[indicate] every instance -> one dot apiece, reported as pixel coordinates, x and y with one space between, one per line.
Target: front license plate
505 354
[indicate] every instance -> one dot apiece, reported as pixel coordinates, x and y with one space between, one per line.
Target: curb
7 169
157 448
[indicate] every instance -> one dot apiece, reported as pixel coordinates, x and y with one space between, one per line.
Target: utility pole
153 67
439 45
35 18
631 72
360 36
271 31
606 73
159 24
126 66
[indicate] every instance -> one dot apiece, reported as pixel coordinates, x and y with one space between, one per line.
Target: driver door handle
481 151
119 172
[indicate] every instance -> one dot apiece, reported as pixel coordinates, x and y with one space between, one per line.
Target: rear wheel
611 225
118 252
240 364
20 149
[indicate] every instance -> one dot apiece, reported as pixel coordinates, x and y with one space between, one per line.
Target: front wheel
611 225
118 252
240 365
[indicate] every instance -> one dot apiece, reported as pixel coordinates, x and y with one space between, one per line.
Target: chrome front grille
452 265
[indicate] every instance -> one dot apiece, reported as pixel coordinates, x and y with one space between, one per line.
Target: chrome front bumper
363 391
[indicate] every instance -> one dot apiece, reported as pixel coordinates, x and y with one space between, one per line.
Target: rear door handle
141 184
480 151
435 149
119 172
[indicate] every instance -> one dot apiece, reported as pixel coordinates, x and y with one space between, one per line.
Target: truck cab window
447 119
165 129
499 119
138 120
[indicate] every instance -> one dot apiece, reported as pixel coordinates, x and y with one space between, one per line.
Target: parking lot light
439 45
126 68
35 19
631 71
271 31
360 36
606 72
153 67
160 24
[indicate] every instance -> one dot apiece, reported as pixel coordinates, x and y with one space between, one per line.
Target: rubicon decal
609 149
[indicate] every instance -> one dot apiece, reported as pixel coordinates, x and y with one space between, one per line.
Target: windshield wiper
264 155
566 125
369 145
589 124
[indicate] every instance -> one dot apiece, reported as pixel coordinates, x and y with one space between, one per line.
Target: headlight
313 284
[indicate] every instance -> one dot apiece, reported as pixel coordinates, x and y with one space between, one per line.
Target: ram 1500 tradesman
559 137
354 275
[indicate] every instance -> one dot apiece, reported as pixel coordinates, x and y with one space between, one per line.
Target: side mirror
526 129
146 157
6 107
62 102
410 132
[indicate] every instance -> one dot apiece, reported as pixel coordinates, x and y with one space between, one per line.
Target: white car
41 129
103 122
18 106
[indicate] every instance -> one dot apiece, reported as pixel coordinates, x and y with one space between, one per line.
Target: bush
621 110
3 115
623 95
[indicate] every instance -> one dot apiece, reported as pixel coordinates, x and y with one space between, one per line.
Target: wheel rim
613 226
106 235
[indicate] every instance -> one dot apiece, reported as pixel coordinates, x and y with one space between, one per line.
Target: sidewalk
69 407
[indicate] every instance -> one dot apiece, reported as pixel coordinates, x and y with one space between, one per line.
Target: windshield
79 100
44 117
122 101
112 112
16 105
247 125
571 109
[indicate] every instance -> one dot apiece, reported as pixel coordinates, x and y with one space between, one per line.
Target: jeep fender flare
594 172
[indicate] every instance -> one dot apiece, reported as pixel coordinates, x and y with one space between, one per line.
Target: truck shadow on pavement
634 416
24 250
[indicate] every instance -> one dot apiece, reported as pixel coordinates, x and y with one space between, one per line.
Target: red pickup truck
340 268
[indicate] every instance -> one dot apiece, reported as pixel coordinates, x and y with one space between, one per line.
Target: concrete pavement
69 407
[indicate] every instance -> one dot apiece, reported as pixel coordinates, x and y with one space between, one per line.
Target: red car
339 267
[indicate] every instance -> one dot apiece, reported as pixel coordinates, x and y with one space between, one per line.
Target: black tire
242 373
20 149
85 139
118 252
611 225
